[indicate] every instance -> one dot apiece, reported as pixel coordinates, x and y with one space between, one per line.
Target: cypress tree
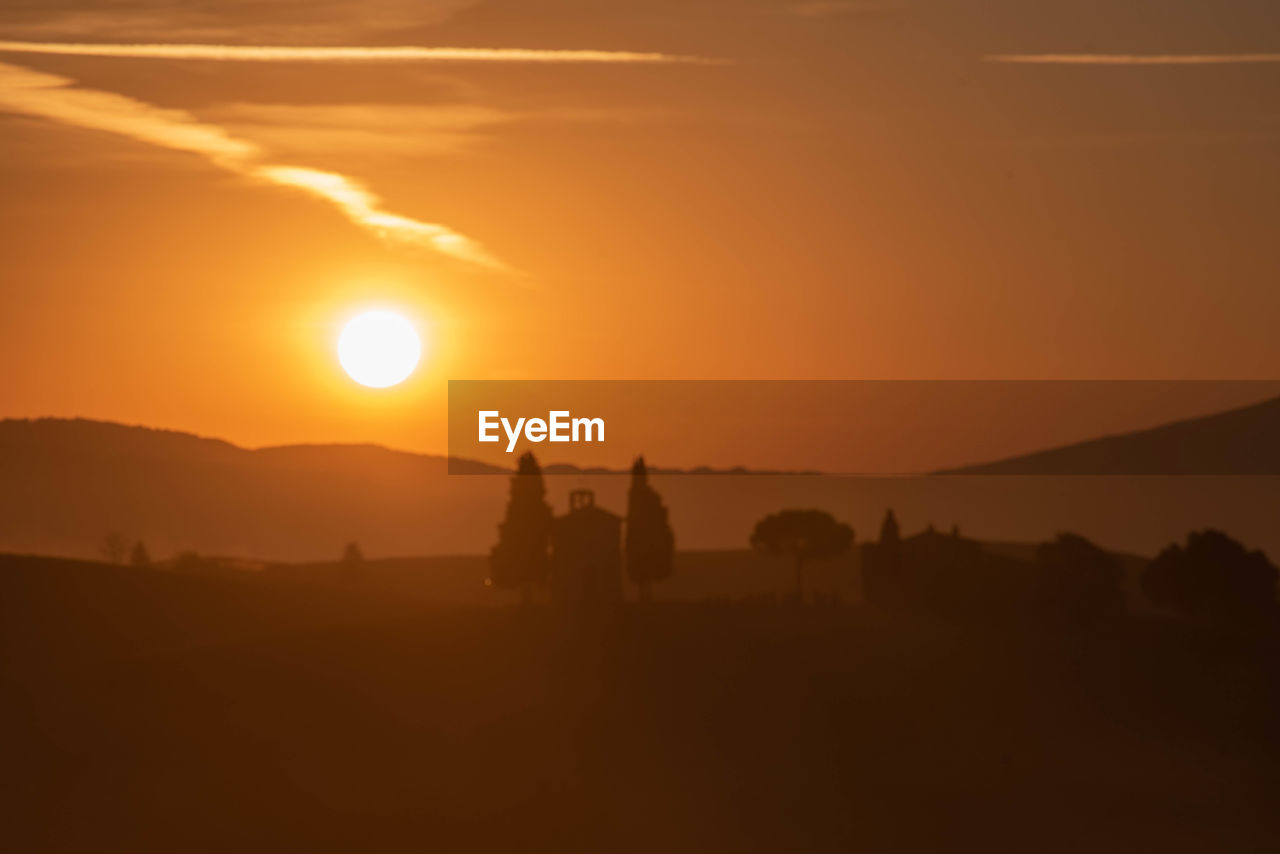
352 567
650 542
139 556
889 530
521 559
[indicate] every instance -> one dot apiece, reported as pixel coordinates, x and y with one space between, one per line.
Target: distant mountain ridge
1244 441
88 435
65 483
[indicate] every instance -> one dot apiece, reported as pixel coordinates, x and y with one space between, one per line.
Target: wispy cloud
52 97
831 8
274 53
359 131
362 208
173 21
1133 59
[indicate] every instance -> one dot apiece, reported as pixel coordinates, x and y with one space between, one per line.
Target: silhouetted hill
107 611
1243 441
149 711
65 484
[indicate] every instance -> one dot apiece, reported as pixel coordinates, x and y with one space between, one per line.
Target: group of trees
522 559
119 549
1067 580
1212 577
115 548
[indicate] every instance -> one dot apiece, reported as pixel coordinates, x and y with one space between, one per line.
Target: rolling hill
1244 441
65 483
144 710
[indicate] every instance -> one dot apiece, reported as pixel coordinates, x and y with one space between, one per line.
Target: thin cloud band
283 53
1132 59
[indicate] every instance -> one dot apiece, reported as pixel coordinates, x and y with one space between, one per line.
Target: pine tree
115 547
352 567
651 544
521 559
804 535
882 564
889 529
352 554
139 557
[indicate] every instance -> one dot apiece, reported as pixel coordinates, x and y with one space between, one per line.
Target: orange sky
853 193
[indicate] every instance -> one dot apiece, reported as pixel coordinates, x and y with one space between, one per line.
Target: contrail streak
1133 59
51 97
269 53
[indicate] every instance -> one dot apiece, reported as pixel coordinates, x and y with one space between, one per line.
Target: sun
379 349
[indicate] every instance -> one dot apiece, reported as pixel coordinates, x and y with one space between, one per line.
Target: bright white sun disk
379 349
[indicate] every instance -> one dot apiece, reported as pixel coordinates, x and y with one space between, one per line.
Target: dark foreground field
146 711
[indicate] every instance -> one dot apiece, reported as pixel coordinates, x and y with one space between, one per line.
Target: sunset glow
486 425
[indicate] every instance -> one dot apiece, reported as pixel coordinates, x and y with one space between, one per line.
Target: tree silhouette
1212 576
1079 580
139 557
114 547
882 563
521 558
803 534
352 562
890 534
650 545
